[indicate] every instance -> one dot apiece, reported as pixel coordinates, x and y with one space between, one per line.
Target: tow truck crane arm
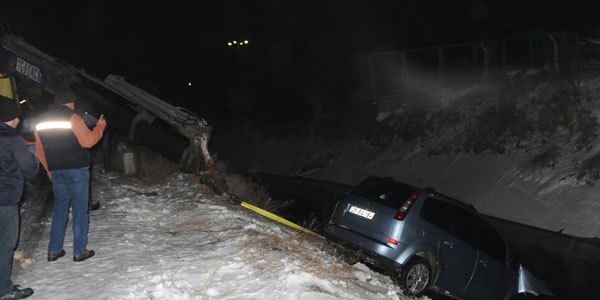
37 75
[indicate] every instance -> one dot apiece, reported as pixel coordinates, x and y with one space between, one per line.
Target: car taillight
393 241
403 211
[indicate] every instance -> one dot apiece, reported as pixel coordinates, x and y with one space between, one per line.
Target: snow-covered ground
544 179
175 239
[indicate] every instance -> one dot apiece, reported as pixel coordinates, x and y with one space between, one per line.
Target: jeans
9 231
70 187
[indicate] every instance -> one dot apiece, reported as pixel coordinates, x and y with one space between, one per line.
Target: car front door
457 261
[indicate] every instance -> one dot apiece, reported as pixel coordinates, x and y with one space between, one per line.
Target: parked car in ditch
427 240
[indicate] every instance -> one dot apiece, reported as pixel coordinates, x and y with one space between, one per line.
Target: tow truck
31 77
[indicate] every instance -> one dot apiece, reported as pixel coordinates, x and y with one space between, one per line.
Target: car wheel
415 277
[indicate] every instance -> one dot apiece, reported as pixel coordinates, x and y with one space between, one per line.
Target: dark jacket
16 162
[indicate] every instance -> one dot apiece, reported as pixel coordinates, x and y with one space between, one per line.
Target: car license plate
361 212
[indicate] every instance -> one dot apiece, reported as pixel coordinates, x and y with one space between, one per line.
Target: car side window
450 218
489 241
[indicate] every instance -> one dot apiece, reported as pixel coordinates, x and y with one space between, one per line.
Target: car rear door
456 255
493 279
367 218
370 209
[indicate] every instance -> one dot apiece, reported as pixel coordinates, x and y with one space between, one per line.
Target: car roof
430 191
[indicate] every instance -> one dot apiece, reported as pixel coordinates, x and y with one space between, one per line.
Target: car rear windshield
384 191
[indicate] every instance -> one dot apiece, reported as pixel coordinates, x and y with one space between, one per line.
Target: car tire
415 277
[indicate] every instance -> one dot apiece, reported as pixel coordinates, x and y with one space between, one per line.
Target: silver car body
386 223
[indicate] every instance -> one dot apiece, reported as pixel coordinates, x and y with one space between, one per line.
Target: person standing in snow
16 162
62 141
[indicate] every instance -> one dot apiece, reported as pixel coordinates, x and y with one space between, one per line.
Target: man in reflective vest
62 145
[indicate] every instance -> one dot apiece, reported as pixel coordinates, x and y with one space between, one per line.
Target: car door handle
483 262
449 244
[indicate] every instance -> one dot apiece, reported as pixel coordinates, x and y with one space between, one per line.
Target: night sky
162 45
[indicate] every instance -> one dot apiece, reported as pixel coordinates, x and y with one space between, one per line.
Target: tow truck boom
38 75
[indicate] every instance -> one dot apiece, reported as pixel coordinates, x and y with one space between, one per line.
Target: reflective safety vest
61 148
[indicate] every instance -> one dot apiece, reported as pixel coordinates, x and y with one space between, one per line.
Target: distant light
189 84
238 44
23 101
